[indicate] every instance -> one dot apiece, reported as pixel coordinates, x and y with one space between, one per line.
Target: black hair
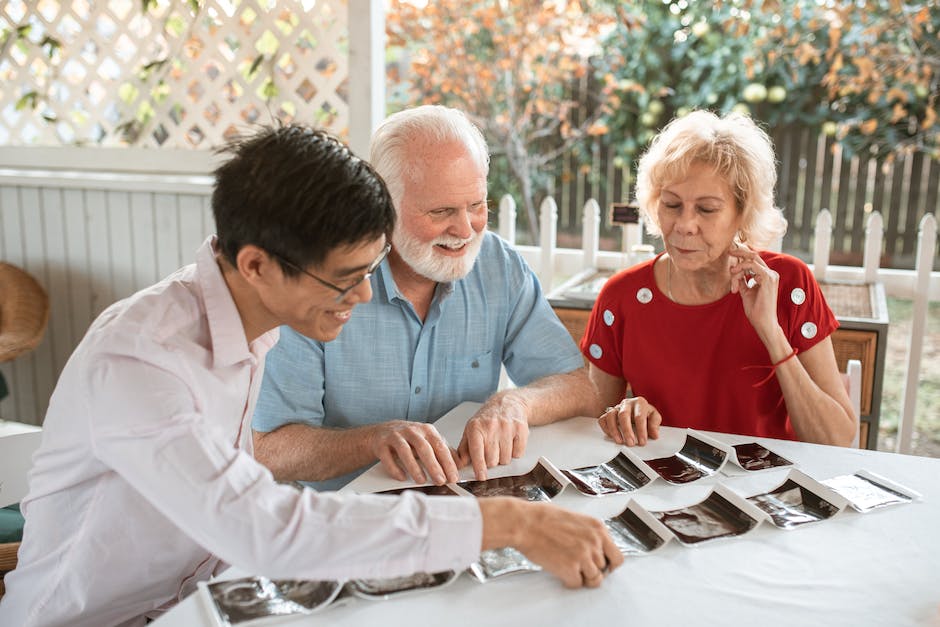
298 193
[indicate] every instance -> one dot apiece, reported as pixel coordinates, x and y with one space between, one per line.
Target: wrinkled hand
757 284
574 547
494 435
409 448
631 421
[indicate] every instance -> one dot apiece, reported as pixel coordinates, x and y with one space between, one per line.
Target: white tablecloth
880 568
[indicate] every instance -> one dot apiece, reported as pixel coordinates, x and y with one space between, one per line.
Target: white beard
424 258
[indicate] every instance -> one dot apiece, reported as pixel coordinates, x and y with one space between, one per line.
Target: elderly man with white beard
451 304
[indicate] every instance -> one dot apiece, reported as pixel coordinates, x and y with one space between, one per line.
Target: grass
926 436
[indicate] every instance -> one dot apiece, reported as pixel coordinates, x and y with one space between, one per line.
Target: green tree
510 66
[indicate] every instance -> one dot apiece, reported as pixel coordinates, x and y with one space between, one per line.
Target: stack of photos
624 473
499 562
256 600
723 514
542 483
799 500
866 491
700 456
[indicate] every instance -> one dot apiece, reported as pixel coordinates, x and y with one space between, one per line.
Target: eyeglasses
341 291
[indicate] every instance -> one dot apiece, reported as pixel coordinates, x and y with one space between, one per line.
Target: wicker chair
24 314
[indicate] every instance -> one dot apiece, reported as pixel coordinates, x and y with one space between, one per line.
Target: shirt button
418 390
475 364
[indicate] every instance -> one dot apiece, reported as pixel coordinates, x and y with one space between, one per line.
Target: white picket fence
920 286
94 235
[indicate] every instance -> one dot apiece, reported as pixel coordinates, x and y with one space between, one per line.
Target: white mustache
452 242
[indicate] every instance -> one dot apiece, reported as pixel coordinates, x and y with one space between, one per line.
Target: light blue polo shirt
387 365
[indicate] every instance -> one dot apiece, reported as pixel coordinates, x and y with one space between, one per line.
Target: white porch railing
921 286
97 235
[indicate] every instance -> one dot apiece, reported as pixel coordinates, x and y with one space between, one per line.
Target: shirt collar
383 283
229 345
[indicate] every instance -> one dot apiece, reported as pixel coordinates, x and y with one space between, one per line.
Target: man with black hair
145 483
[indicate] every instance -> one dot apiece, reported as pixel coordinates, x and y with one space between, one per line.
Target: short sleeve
802 309
603 336
293 384
537 343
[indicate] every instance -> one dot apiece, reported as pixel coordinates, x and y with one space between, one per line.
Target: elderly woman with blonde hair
716 332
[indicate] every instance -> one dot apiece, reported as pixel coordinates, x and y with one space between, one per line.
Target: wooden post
366 20
926 243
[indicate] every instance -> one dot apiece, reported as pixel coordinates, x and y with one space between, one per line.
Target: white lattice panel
96 86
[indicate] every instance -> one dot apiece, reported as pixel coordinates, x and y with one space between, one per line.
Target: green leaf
254 65
28 100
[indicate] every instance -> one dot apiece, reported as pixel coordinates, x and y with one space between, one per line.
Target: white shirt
144 481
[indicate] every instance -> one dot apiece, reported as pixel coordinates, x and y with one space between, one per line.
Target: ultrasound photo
715 517
430 490
499 562
620 474
753 456
695 460
536 485
791 505
632 535
385 588
239 601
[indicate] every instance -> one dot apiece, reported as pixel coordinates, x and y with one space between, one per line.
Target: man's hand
494 435
631 421
575 548
405 447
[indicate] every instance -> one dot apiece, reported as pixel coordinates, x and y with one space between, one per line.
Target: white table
880 568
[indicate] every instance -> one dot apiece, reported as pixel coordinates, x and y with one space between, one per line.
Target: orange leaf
898 112
930 118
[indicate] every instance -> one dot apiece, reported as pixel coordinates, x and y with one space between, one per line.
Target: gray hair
424 125
739 151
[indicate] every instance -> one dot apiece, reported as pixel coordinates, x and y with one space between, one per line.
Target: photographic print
794 503
500 562
536 485
753 456
696 459
715 517
866 491
620 474
633 534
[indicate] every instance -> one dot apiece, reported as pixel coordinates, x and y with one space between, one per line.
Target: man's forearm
554 397
300 452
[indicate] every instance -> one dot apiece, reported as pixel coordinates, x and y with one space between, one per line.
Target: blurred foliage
509 65
866 71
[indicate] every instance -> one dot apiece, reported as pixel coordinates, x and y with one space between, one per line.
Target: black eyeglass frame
341 292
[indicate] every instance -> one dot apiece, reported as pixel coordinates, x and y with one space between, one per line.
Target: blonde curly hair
738 150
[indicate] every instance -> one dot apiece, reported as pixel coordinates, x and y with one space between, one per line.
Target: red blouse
694 363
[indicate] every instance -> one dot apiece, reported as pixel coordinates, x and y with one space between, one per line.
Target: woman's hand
631 421
757 284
